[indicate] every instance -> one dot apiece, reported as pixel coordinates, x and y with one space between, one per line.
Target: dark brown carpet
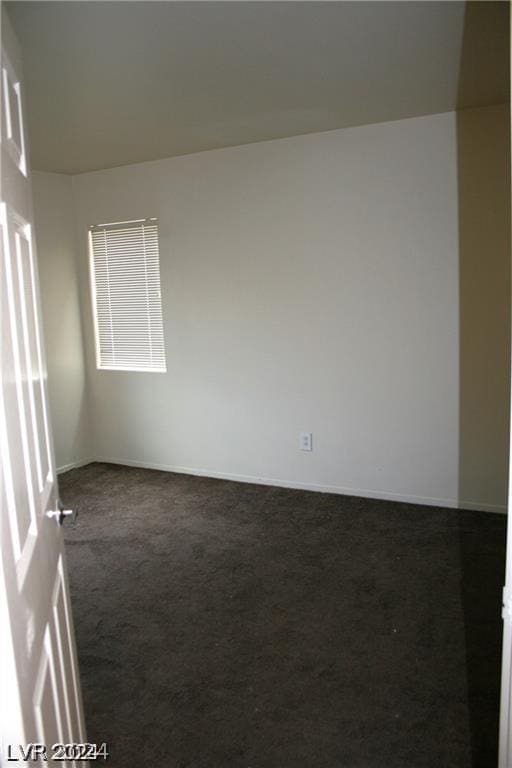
222 625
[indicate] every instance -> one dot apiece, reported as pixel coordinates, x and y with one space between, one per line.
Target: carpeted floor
222 625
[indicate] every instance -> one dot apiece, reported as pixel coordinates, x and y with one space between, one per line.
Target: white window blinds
127 304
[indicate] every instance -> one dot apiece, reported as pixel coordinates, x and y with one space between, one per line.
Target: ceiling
112 83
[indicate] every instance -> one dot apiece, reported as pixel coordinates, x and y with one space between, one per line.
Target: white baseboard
298 485
74 465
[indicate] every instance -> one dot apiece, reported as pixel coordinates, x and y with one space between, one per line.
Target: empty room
254 424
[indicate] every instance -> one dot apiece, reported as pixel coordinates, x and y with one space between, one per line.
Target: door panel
41 699
46 700
13 129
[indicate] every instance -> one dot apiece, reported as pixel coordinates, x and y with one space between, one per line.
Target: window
127 304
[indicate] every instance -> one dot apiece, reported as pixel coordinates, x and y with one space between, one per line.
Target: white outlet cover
306 441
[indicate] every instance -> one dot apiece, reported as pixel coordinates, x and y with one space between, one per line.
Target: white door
40 699
505 741
505 755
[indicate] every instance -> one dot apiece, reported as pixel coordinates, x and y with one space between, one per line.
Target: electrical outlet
306 441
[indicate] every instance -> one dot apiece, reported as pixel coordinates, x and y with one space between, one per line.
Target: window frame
92 282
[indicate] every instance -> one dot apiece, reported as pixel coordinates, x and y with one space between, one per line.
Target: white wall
55 240
483 157
312 284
